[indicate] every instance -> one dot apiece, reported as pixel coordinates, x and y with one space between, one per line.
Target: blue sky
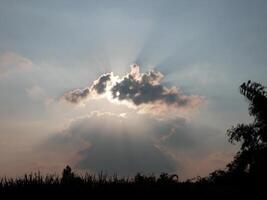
47 48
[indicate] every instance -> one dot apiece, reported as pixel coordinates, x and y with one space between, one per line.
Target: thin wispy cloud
10 61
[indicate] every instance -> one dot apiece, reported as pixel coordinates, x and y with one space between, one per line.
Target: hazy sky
171 116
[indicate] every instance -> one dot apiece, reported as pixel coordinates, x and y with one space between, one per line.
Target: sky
126 86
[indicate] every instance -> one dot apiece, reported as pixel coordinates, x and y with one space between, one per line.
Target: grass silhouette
70 184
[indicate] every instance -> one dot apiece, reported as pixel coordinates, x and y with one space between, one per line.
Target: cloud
143 91
10 61
100 85
76 95
112 143
37 93
145 88
116 143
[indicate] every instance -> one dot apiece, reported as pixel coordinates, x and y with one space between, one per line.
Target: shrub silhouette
166 178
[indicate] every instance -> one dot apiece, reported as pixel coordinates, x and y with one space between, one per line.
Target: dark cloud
126 158
189 137
113 144
118 144
139 89
76 95
100 85
146 88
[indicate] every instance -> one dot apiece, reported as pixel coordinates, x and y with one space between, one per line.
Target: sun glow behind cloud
105 115
67 46
141 91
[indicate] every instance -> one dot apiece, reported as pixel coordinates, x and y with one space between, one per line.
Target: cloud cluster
75 96
100 85
144 91
117 143
146 88
112 143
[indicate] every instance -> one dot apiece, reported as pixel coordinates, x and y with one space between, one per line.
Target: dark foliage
73 185
252 157
250 163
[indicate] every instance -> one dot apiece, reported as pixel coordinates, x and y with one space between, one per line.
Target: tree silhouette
68 177
251 159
